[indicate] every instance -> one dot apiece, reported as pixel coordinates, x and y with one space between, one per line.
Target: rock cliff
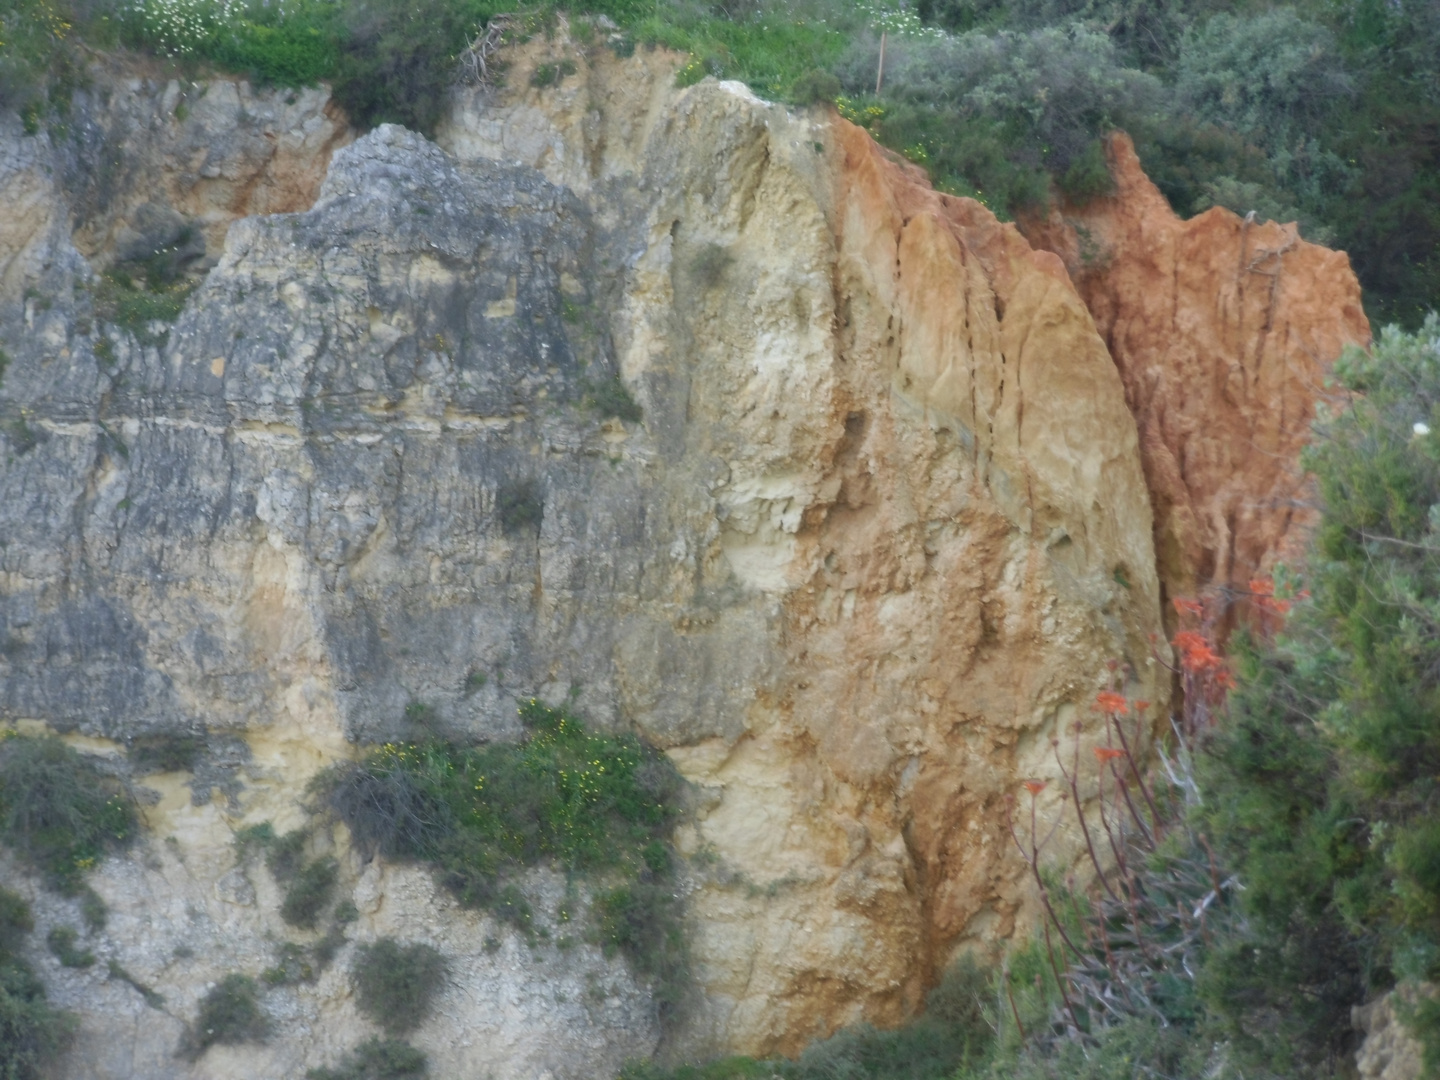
880 524
1223 329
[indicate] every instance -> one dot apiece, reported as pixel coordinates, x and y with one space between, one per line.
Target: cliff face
880 529
1223 330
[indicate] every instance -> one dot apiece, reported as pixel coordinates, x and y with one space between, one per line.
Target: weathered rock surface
1389 1051
882 525
1223 330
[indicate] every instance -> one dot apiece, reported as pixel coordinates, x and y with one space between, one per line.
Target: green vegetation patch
610 397
62 941
395 984
377 1059
598 804
32 1032
58 811
230 1013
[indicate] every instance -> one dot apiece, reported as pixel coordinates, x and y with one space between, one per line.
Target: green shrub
58 812
597 804
32 1033
610 397
395 984
1321 788
230 1013
309 893
377 1059
62 943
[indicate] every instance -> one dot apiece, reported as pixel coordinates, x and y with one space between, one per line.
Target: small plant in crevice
59 812
32 1031
396 983
377 1059
594 804
610 397
61 941
230 1013
309 883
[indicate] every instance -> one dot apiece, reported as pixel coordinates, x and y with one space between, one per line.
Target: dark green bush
395 984
32 1033
377 1059
1321 789
309 893
58 811
230 1013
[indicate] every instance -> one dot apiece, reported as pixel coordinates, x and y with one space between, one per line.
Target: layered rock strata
1224 329
881 526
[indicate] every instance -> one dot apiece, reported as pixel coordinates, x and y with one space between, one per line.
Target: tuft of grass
377 1059
62 943
230 1013
395 984
58 811
552 74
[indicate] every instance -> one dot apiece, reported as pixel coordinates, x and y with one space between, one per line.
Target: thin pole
880 71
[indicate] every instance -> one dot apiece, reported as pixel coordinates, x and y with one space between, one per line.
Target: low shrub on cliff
377 1059
32 1032
395 983
597 804
230 1013
58 811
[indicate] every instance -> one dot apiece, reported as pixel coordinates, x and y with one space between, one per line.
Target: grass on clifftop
597 805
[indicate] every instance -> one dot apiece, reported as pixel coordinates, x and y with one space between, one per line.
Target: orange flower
1034 787
1110 702
1196 654
1142 706
1262 586
1186 606
1107 753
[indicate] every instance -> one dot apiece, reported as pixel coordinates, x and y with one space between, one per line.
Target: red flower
1187 607
1142 706
1110 702
1034 787
1107 753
